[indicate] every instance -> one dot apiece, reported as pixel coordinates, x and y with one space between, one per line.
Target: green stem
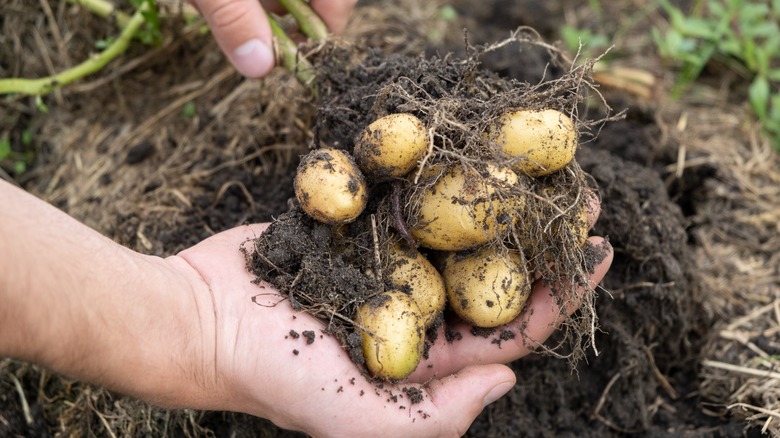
287 52
45 85
309 22
104 9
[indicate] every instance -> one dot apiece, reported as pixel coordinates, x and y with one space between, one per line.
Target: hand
244 35
258 368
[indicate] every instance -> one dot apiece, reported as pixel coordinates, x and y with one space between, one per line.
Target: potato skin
393 334
460 210
330 187
410 271
547 139
487 288
579 225
391 146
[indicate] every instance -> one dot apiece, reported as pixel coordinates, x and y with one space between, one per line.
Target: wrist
80 304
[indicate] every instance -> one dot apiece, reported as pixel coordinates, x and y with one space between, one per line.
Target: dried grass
738 253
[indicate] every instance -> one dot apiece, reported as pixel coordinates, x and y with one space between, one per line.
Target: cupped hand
261 357
242 31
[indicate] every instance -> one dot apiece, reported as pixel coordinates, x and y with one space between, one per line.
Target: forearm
80 304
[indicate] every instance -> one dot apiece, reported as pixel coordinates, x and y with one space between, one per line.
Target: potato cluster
462 212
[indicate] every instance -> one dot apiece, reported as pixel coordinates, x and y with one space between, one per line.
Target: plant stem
104 9
288 54
45 85
309 22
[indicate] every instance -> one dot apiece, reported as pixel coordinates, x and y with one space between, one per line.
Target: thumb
459 398
242 32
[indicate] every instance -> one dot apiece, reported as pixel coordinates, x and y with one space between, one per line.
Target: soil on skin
119 157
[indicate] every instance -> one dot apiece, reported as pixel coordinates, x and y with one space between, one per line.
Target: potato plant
435 192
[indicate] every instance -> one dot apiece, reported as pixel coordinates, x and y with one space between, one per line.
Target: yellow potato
410 271
393 334
462 209
330 187
487 288
391 146
544 140
577 224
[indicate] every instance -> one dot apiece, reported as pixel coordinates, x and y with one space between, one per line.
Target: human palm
270 360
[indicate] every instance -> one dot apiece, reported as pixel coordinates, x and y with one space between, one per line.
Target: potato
487 288
393 334
330 187
410 271
462 209
391 146
545 140
578 224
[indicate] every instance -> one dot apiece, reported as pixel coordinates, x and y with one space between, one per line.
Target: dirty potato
542 141
410 271
330 187
391 146
462 209
487 288
393 334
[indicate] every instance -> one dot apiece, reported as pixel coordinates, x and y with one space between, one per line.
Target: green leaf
774 75
758 29
758 95
699 28
717 9
448 13
5 148
41 104
188 110
731 47
753 12
774 109
762 61
26 137
20 167
104 43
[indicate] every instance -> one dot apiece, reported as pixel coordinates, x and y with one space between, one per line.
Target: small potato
410 271
330 187
393 334
462 209
487 288
546 140
391 146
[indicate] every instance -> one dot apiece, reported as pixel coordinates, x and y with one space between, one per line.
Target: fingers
459 398
241 29
335 13
593 208
539 320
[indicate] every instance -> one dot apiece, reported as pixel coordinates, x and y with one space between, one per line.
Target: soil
696 250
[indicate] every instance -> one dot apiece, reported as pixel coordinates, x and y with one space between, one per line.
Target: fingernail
253 59
497 392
